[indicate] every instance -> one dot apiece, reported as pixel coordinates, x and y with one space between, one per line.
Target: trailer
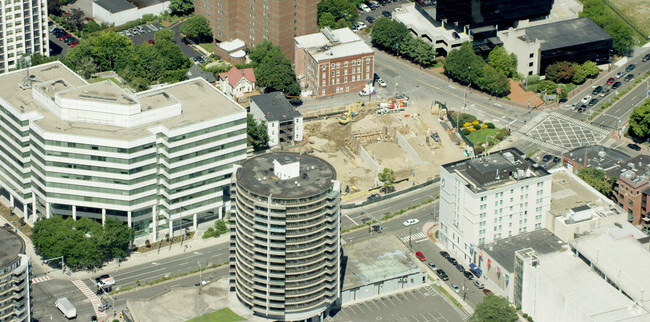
69 310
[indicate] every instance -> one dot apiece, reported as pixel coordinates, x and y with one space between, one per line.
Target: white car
455 287
381 82
410 222
364 7
361 25
586 99
398 10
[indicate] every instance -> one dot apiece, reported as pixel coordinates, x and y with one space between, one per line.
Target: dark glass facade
596 51
478 13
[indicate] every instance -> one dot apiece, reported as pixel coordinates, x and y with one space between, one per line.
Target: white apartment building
23 31
158 160
490 197
284 123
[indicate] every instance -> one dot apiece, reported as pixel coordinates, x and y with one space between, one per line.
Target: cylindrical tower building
285 236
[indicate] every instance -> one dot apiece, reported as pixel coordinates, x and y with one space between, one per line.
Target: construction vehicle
347 116
69 310
393 106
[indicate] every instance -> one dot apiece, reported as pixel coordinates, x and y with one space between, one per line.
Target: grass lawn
478 137
207 46
223 315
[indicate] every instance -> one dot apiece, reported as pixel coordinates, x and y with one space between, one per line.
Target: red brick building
632 189
333 62
254 21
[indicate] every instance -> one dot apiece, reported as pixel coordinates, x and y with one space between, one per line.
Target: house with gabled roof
238 84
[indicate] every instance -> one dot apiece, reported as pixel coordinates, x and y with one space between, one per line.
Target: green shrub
466 132
490 125
530 318
525 315
518 307
477 126
479 149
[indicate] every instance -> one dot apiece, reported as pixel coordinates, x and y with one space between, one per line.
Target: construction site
363 138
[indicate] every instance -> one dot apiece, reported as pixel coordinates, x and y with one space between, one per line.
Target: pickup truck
66 307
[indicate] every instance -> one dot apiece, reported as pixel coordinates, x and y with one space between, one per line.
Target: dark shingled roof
566 33
114 6
275 107
503 250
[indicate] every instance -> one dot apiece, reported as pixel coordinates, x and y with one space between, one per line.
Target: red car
420 256
610 80
151 42
486 291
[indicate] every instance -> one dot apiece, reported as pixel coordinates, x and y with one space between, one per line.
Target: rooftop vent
331 37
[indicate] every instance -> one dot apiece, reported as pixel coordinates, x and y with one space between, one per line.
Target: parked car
646 58
399 9
597 90
455 287
373 5
619 74
460 268
628 77
582 108
616 85
381 82
630 67
420 256
452 260
546 158
435 136
610 80
486 291
387 14
586 99
374 196
410 222
556 159
634 146
605 92
443 276
432 265
479 284
593 102
371 19
444 254
468 275
364 7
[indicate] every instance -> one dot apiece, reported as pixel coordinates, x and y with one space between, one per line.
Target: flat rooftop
568 192
257 175
12 245
597 156
115 6
584 288
495 169
415 21
343 44
275 107
199 101
566 33
616 251
376 259
541 240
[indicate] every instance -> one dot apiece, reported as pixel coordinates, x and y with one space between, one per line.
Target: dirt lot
336 143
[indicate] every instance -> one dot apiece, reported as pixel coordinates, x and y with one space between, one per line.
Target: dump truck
66 307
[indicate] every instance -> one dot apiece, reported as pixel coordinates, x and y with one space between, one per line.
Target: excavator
347 116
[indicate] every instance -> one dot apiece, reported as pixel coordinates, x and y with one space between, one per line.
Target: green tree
258 136
387 176
91 26
597 179
459 62
388 34
336 13
418 51
504 63
273 71
197 28
603 16
164 34
84 243
591 68
86 67
109 50
560 72
494 309
181 7
581 74
640 121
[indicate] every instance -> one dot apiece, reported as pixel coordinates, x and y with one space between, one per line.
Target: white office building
284 123
159 160
23 31
490 197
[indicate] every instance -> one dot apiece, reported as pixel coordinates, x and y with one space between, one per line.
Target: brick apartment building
254 21
632 189
333 62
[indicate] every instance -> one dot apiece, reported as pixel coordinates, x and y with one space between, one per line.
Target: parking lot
142 34
377 13
418 305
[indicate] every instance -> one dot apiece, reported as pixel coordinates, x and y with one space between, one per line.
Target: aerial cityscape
329 160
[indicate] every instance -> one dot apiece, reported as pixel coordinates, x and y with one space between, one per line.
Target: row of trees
84 243
273 70
640 121
597 179
567 72
337 13
140 65
615 26
393 37
467 67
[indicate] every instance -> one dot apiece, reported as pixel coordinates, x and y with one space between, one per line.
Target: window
345 79
368 60
324 67
338 73
354 62
530 64
345 64
532 55
323 92
358 61
332 74
345 71
332 65
367 76
323 82
483 198
353 76
347 88
338 65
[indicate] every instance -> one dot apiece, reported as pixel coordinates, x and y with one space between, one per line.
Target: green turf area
223 315
207 46
478 137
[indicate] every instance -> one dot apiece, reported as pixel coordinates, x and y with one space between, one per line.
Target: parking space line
415 297
375 303
359 307
397 298
424 317
391 301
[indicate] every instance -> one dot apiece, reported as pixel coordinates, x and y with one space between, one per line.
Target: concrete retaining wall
365 156
408 148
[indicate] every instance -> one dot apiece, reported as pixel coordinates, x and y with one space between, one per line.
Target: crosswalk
413 238
581 123
545 144
94 299
41 279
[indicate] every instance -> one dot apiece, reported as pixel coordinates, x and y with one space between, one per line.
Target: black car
371 19
442 275
634 146
460 268
630 67
546 158
597 90
374 196
582 108
616 85
387 14
628 77
593 102
452 260
444 254
556 159
646 58
468 275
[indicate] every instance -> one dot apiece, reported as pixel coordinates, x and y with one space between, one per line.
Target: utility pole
410 238
200 273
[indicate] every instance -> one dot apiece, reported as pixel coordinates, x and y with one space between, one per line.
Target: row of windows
345 63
